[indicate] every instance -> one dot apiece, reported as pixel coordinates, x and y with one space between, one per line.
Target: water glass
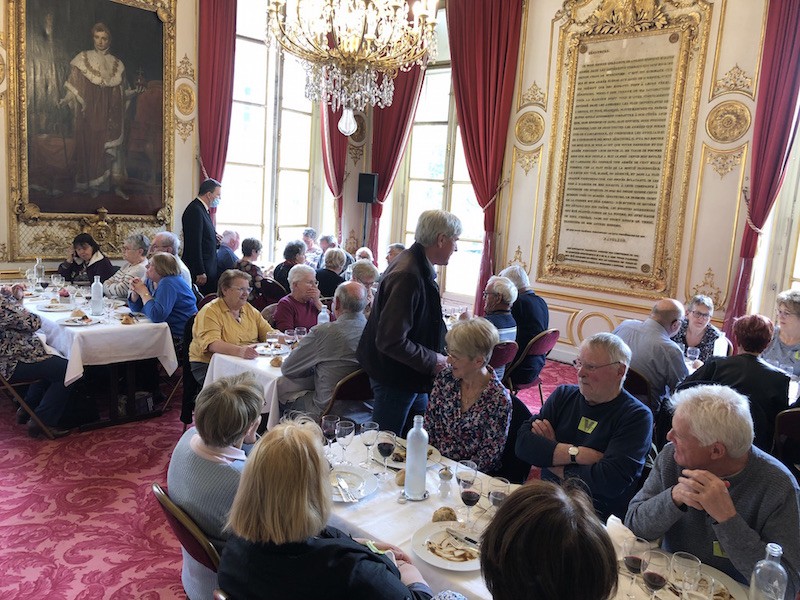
289 336
685 571
369 435
300 332
344 435
692 353
499 488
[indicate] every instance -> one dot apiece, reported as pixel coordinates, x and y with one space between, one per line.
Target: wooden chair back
10 389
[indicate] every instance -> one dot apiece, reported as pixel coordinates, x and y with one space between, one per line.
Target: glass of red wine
470 495
329 431
655 570
632 550
385 444
498 491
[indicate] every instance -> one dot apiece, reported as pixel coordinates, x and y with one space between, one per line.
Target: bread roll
444 513
276 361
77 313
400 477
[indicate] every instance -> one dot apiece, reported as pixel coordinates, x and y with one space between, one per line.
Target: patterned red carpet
77 517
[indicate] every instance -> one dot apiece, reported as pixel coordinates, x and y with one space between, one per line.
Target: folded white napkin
618 534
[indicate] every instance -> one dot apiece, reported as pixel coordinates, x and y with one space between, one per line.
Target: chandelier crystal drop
353 49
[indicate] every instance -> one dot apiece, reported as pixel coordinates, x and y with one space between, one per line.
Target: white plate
76 322
122 310
362 483
29 295
436 532
264 350
433 459
55 307
736 589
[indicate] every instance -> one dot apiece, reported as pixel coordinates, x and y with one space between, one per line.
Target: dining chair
269 313
206 299
786 443
512 467
272 290
637 386
502 354
190 386
352 398
10 388
190 536
540 345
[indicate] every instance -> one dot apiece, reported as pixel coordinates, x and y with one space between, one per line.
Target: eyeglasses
242 290
700 315
486 294
579 364
786 313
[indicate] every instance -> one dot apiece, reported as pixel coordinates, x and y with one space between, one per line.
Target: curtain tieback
500 187
745 193
202 167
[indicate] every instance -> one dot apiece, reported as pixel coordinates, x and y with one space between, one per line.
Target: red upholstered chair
352 398
206 299
638 387
541 345
269 313
8 387
786 443
503 353
191 537
271 290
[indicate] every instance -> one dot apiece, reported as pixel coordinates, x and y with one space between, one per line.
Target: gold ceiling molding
728 121
185 98
528 160
735 80
534 96
529 128
707 287
627 16
724 162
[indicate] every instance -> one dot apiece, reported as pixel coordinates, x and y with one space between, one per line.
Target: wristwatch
573 454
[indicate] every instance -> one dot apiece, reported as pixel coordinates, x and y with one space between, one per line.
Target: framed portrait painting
90 122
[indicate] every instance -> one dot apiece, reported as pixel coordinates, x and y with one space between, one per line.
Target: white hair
175 241
717 413
297 272
504 287
432 223
615 347
518 275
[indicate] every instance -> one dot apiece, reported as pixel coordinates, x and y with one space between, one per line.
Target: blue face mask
215 202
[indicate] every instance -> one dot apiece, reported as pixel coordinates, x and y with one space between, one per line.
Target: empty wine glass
685 571
655 570
369 435
329 431
289 336
386 444
498 491
344 435
470 495
300 333
692 353
632 550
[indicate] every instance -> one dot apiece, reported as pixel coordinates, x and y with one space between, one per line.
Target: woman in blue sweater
167 298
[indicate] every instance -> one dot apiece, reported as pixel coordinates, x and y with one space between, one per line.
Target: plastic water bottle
323 316
416 461
769 579
97 297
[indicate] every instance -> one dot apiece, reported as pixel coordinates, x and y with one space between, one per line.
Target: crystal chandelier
353 49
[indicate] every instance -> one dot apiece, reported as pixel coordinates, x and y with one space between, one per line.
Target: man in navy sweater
594 431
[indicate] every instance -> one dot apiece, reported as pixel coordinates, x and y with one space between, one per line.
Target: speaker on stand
367 194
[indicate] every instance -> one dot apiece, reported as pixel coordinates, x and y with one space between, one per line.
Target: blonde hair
473 338
334 259
165 264
284 494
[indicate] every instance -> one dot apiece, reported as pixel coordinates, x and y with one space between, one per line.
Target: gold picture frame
59 183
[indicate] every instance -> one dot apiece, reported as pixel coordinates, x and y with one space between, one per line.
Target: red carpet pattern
78 520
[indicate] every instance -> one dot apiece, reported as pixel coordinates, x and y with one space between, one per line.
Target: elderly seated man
329 241
301 307
594 431
498 296
655 356
166 241
226 254
714 494
325 355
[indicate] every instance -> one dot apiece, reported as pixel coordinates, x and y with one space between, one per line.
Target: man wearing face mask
200 237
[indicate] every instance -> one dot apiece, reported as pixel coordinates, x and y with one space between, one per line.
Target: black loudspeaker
367 187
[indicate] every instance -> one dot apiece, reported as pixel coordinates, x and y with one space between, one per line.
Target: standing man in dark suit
200 237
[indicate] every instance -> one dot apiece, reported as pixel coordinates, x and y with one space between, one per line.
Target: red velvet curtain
484 46
391 127
217 41
774 130
334 158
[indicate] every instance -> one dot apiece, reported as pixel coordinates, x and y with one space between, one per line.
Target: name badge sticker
718 551
587 425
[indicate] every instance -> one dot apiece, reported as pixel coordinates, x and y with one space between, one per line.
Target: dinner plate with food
453 550
273 349
398 458
359 482
54 306
78 318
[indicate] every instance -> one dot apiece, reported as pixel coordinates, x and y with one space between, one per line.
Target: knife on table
463 538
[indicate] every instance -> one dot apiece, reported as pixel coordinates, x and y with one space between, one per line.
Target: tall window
273 186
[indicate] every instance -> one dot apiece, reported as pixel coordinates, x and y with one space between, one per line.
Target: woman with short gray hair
696 329
330 276
134 251
302 306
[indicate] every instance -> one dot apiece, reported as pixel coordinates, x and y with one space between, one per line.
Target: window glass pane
294 84
460 172
328 213
434 100
245 231
464 204
250 72
385 231
242 195
287 234
442 41
461 273
428 151
292 198
251 19
295 148
422 195
246 141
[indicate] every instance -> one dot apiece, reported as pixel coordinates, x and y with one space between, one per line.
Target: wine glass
289 336
632 550
470 495
692 353
386 443
369 435
57 281
685 571
498 491
300 332
329 431
344 435
655 570
466 470
271 339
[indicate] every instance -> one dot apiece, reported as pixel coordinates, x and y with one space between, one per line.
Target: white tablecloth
105 343
223 365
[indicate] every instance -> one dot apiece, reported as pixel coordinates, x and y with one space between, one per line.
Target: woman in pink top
301 307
